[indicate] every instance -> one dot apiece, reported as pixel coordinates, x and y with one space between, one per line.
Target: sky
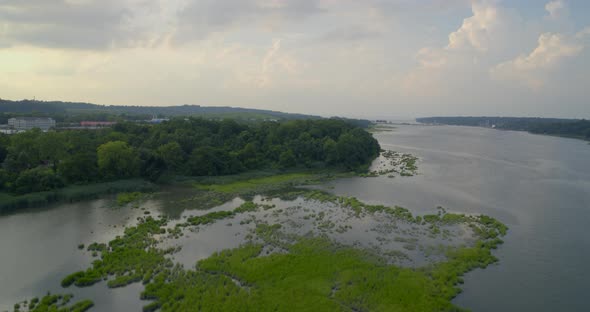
369 58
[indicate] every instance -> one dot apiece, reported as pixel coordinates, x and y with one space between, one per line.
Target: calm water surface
539 186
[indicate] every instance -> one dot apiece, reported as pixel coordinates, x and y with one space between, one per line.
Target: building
9 131
96 124
157 120
28 123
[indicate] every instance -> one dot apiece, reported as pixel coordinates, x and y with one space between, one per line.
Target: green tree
6 179
52 147
4 144
37 180
23 152
248 156
287 159
79 168
172 155
116 159
330 151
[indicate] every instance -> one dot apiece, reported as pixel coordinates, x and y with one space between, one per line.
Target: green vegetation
71 112
53 303
219 215
486 228
311 272
376 128
259 184
314 274
127 198
127 259
214 191
359 207
116 159
38 165
73 193
66 113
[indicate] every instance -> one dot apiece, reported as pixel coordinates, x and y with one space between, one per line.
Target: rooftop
33 118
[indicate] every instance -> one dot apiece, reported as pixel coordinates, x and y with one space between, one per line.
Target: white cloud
531 69
431 58
489 30
477 30
556 9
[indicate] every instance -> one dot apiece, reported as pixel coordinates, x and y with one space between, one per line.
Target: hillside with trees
60 109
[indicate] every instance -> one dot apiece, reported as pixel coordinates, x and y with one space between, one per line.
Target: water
39 248
396 241
539 186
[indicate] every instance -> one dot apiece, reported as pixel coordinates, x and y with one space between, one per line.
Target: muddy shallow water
398 242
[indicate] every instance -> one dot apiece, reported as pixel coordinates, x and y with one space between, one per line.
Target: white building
28 123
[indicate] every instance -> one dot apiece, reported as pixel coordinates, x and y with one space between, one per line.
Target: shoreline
578 138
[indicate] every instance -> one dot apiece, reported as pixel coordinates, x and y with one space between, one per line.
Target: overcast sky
364 58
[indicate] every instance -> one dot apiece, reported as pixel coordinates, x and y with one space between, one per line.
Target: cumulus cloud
487 32
556 9
477 31
532 69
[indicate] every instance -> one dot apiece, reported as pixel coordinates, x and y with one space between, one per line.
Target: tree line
67 110
35 161
575 128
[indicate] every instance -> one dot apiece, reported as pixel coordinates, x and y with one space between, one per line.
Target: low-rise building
97 123
28 123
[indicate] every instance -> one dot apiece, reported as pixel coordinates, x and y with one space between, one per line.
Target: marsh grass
74 193
53 303
129 197
258 184
310 272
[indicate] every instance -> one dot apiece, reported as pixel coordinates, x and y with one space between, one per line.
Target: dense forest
574 128
35 161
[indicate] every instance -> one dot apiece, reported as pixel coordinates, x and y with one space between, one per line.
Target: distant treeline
574 128
35 161
70 112
68 108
